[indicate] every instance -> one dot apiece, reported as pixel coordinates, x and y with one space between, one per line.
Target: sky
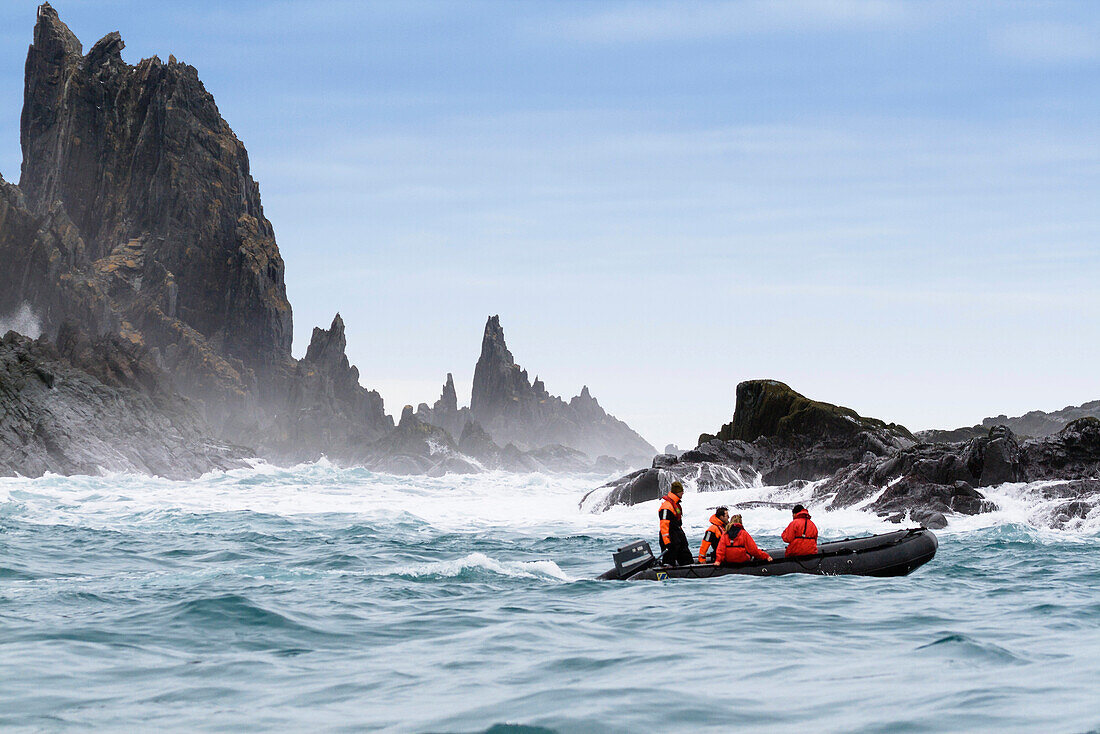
893 206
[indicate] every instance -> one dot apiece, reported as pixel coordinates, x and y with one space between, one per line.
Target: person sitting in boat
675 550
737 546
801 535
709 546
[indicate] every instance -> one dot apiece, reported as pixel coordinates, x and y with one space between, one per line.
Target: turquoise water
340 600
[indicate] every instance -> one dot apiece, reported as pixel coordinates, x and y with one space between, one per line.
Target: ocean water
325 599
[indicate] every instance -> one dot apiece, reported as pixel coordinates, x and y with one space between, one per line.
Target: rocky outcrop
776 436
93 405
784 436
842 459
327 412
513 409
415 447
1035 424
649 484
931 481
1072 453
771 409
445 413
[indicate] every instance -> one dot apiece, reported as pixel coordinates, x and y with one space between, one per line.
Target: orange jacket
801 536
710 540
740 549
671 516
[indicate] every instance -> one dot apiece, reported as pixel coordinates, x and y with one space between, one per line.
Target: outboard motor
630 559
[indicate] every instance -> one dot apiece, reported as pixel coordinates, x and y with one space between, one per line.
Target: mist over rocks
445 412
136 221
513 409
164 233
515 424
98 405
327 412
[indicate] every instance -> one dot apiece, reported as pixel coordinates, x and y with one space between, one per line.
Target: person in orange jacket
709 546
801 535
675 550
737 546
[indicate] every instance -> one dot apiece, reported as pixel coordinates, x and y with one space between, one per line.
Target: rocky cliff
514 410
148 221
136 218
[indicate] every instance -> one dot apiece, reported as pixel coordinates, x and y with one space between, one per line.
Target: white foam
475 561
538 505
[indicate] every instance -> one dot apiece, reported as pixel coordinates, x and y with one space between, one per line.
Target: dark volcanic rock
1072 453
785 436
513 409
777 436
639 486
89 406
942 477
770 409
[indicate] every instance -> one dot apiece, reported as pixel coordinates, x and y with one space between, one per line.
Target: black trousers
677 552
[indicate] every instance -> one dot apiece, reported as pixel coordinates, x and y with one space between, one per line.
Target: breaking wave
476 564
522 503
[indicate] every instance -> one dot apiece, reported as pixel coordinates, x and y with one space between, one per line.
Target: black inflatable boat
890 554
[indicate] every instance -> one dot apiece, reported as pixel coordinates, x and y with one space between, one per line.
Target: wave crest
476 564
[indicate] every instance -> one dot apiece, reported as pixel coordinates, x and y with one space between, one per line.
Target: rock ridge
511 408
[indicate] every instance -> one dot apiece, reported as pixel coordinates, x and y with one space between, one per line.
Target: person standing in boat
675 550
737 546
801 535
709 546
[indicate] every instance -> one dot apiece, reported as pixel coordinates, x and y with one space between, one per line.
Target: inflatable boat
891 554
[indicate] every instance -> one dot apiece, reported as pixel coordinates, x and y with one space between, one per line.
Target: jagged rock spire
512 409
448 401
499 383
328 346
139 156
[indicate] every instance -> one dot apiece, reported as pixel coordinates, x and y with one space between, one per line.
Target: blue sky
889 205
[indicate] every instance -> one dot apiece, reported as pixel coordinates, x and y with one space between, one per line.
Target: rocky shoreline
841 459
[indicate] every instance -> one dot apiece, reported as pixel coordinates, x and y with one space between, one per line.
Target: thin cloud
1047 43
657 21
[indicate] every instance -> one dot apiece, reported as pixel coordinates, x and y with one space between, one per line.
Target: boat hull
891 554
